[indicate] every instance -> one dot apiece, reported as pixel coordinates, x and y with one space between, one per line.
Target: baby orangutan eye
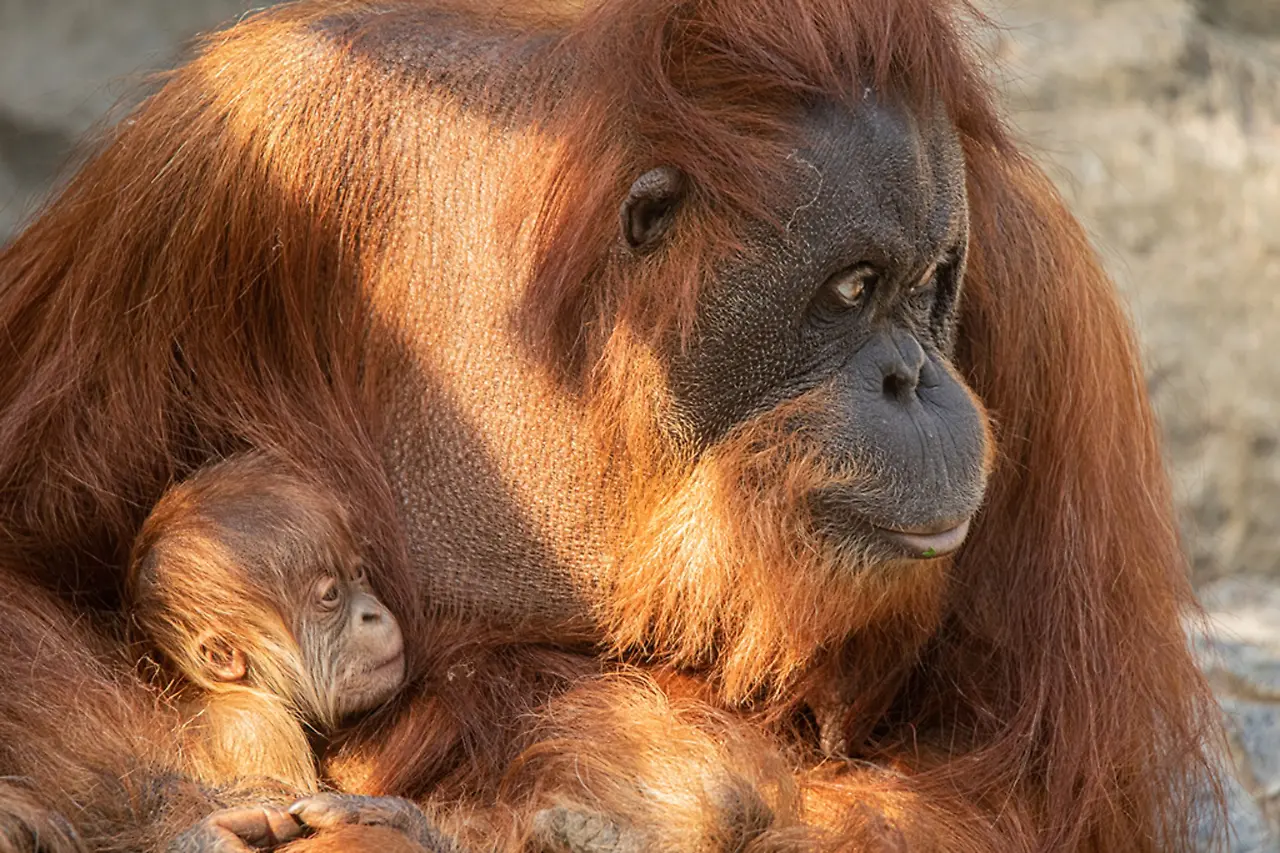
849 287
328 593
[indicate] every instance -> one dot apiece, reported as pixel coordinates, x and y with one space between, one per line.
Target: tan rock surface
1164 133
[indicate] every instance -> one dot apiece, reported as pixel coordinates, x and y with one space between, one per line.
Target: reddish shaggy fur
1037 695
90 756
1032 680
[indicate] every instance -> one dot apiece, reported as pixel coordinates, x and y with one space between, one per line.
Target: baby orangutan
247 580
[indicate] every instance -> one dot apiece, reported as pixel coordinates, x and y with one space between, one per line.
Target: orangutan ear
221 660
650 207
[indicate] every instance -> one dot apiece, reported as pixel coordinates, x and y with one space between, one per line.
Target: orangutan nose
898 360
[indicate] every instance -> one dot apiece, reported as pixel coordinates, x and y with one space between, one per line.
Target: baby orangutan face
346 641
355 641
249 575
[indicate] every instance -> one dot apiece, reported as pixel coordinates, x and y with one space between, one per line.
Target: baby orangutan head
248 574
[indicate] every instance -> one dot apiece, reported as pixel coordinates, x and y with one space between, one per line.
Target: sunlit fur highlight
677 774
242 732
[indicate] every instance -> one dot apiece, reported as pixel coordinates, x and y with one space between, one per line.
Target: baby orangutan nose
375 666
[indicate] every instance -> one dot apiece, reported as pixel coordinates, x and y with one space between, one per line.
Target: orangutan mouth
927 542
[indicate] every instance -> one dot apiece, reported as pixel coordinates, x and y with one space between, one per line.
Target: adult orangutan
759 431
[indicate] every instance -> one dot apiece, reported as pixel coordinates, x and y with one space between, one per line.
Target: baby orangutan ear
650 207
221 660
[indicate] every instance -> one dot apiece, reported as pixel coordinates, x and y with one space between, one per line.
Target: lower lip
396 662
924 546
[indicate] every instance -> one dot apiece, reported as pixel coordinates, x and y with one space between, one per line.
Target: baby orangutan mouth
375 664
381 679
392 668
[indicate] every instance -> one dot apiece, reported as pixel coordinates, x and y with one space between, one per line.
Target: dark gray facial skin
857 298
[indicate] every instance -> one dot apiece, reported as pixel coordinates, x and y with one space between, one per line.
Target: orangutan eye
328 593
849 287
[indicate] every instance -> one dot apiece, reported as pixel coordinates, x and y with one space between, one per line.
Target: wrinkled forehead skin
881 177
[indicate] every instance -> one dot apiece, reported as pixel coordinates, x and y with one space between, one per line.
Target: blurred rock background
1160 120
65 64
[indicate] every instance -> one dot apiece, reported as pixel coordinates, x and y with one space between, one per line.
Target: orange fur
730 526
243 734
266 236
